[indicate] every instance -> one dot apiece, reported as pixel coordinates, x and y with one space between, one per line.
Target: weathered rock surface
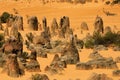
116 73
54 27
39 77
107 29
84 26
116 48
12 66
96 76
97 63
33 23
19 22
70 54
117 59
83 66
95 55
103 63
56 66
98 25
33 65
100 47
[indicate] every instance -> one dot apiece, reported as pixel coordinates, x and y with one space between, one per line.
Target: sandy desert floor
77 14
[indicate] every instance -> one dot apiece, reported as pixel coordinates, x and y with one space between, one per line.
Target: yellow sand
77 14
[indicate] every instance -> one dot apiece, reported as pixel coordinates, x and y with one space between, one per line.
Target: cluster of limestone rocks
95 76
15 61
97 62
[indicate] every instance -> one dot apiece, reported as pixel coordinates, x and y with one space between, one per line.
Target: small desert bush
4 17
108 39
89 43
98 39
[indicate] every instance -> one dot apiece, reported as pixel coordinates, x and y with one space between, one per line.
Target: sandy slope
77 13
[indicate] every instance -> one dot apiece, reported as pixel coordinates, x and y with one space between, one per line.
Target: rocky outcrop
30 37
116 48
33 23
1 26
13 45
97 63
64 21
15 33
2 60
19 22
64 25
70 53
6 31
83 66
39 77
100 48
54 27
98 25
41 53
33 65
79 43
117 59
80 1
103 63
95 55
69 32
43 39
107 29
12 66
116 73
84 26
56 66
96 76
44 23
10 21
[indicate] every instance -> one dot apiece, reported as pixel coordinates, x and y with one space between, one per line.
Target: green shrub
89 43
4 17
117 40
98 39
108 39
